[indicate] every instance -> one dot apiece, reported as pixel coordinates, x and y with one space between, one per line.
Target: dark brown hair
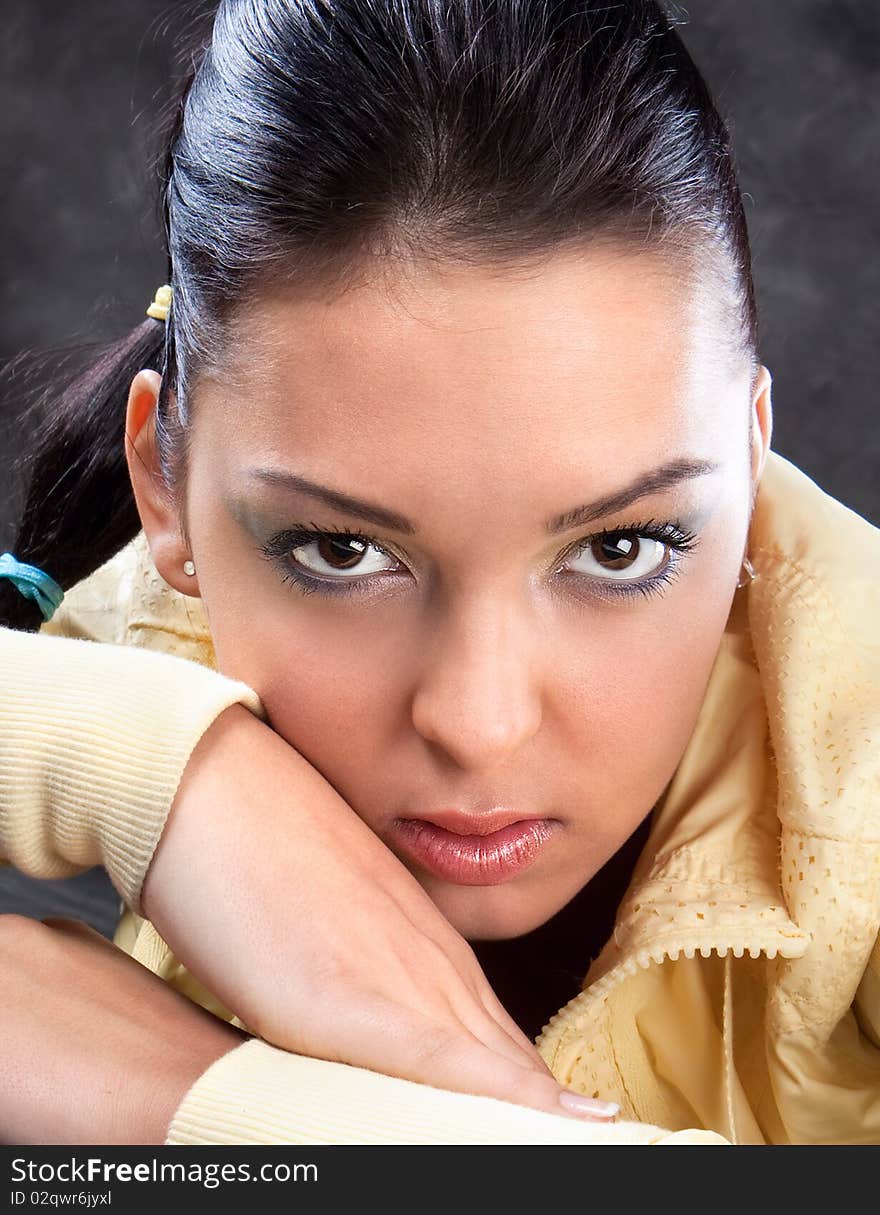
310 135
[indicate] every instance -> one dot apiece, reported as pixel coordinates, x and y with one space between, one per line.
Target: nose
478 696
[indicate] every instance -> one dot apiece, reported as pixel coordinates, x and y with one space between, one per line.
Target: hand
96 1048
273 892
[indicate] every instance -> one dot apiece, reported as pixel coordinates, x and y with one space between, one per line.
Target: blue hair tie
33 584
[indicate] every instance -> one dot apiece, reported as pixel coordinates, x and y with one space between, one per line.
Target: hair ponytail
79 508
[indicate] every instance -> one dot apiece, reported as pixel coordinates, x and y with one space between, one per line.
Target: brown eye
341 553
328 555
616 554
620 557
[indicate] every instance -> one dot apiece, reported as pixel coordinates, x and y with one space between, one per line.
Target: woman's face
472 656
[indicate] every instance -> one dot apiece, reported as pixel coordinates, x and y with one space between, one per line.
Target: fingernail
587 1107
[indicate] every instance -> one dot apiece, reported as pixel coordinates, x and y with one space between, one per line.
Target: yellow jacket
740 990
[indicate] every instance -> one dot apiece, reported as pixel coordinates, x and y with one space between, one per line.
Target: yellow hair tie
161 303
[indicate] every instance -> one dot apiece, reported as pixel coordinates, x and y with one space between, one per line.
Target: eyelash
671 533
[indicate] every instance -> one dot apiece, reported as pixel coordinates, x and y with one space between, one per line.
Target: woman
507 216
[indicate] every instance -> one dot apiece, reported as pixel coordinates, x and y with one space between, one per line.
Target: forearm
94 740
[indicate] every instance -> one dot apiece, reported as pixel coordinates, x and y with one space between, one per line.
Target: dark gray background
797 80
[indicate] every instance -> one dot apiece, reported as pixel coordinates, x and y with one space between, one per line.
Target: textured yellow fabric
739 990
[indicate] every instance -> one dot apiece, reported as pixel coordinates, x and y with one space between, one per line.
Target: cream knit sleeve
258 1094
94 739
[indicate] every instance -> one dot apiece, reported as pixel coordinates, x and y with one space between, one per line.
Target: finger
502 1017
442 1055
458 994
485 993
454 1062
495 1026
503 1036
526 1080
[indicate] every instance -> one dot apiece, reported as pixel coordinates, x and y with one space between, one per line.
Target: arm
130 1047
94 739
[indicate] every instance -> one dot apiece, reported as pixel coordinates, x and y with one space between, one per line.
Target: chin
491 913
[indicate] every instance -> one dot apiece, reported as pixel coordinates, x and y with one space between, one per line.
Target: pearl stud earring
189 568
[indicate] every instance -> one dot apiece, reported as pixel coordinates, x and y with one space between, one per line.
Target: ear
762 424
156 506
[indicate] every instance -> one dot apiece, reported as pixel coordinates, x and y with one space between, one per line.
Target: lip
474 850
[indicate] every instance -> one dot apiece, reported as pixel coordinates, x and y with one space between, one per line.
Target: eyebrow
655 481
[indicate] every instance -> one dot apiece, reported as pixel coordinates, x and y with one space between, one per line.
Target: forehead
609 357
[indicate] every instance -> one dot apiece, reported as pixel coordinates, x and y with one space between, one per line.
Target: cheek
630 698
309 658
328 675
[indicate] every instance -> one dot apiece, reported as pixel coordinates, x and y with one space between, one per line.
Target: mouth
473 850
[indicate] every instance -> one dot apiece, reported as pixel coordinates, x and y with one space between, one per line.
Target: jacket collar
771 758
